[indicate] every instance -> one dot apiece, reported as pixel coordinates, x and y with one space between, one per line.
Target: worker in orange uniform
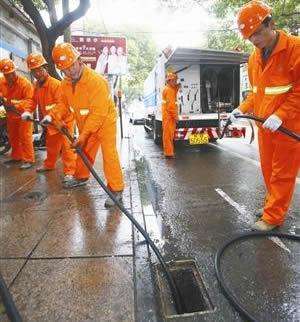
169 114
87 93
274 74
46 95
17 93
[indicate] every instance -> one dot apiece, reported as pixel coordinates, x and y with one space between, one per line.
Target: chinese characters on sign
107 55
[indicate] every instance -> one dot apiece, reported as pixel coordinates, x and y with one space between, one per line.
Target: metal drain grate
189 282
36 196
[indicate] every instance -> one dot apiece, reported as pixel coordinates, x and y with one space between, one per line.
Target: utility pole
120 105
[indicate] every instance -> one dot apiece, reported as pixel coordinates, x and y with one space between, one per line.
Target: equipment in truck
210 90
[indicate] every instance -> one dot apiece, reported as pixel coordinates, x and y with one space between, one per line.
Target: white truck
211 87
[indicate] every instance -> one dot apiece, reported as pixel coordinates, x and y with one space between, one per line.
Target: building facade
18 36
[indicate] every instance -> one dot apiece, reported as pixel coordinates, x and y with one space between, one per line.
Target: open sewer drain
35 196
195 298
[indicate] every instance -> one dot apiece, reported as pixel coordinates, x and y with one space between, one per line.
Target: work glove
272 123
26 116
233 116
46 120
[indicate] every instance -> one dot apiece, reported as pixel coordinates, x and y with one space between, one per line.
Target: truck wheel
146 129
157 132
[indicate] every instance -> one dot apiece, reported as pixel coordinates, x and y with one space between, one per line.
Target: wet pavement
64 256
67 258
203 198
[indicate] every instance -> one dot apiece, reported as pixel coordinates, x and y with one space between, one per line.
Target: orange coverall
169 118
95 115
276 90
45 97
19 132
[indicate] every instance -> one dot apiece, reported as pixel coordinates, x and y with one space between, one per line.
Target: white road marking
240 208
256 163
277 241
243 211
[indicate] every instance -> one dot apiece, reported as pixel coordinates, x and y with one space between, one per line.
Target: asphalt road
203 197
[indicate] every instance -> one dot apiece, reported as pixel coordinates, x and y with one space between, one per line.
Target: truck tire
157 132
147 129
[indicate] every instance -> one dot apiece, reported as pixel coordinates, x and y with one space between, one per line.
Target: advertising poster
106 55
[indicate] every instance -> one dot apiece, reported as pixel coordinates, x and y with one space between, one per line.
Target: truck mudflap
212 132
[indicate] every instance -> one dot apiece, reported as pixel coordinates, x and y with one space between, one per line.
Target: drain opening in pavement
36 196
193 293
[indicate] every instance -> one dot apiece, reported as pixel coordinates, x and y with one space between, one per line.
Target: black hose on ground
228 293
176 295
173 287
10 308
260 120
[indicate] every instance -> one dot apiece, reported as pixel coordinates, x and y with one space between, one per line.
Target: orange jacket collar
281 45
45 84
83 78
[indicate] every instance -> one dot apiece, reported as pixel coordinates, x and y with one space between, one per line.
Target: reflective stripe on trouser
20 138
280 162
56 144
106 137
169 127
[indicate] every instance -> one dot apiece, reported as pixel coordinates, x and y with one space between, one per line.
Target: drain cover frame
165 297
35 196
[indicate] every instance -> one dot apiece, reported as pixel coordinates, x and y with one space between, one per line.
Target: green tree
142 52
141 59
48 35
286 13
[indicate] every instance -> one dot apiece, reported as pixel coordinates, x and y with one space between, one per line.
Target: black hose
10 308
228 293
174 290
176 295
260 120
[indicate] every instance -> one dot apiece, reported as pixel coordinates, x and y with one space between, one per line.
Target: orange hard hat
35 60
7 66
251 16
171 76
64 55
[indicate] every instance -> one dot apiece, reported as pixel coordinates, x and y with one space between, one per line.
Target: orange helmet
64 55
251 16
7 66
35 60
171 76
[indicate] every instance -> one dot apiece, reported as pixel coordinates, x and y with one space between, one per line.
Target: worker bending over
87 94
17 93
46 95
274 74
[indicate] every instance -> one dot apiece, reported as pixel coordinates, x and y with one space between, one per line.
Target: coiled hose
227 291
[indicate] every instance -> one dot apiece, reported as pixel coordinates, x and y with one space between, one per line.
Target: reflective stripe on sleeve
84 111
254 89
276 90
16 101
49 107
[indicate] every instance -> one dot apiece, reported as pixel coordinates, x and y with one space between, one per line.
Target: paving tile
19 233
76 290
9 268
87 232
